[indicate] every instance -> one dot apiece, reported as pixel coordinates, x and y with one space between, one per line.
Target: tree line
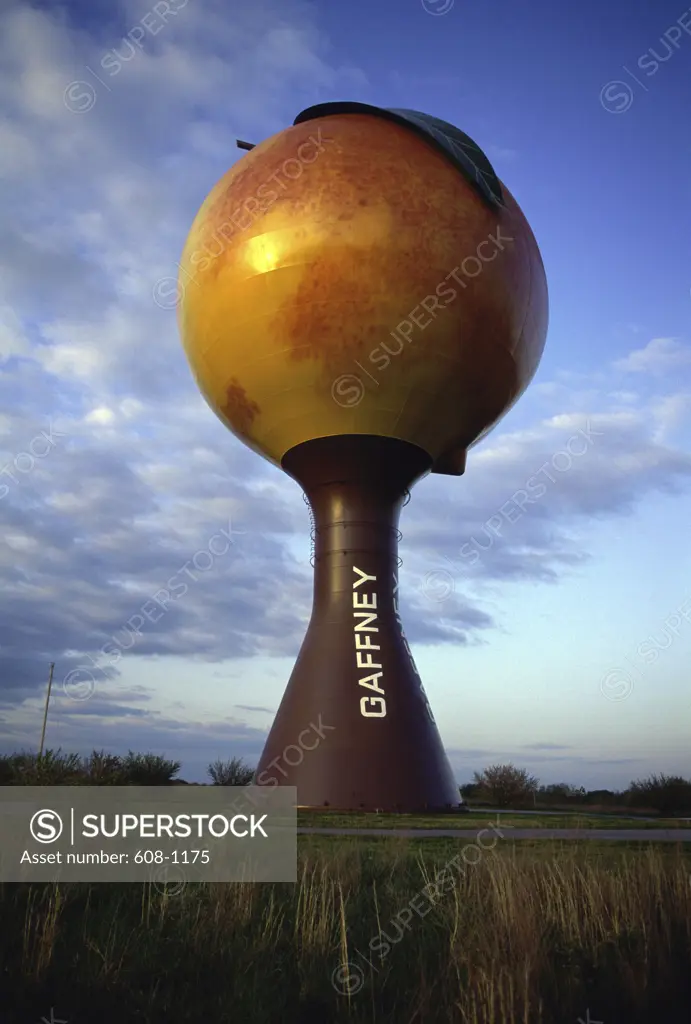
506 786
500 785
53 768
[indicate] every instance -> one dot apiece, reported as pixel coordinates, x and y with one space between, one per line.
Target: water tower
362 301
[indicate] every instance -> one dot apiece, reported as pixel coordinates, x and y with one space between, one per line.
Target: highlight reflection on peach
310 252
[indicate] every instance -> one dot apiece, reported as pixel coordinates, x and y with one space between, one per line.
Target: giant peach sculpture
361 301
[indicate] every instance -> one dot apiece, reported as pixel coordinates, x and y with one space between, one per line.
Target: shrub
667 794
505 785
234 772
148 770
605 796
101 769
51 768
8 770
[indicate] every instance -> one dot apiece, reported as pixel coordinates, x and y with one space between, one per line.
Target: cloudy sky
554 637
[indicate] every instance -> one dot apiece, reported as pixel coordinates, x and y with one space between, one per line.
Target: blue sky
564 645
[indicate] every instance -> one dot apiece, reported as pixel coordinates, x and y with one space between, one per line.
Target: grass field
478 820
521 933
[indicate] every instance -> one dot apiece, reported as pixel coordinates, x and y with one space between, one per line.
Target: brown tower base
355 709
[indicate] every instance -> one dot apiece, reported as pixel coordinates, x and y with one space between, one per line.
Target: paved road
658 835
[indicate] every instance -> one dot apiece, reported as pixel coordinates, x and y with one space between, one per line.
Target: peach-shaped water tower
361 301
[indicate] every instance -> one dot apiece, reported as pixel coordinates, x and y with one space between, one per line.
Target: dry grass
523 936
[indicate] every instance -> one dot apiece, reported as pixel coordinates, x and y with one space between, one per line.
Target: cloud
456 754
501 154
668 414
527 492
547 746
96 206
659 356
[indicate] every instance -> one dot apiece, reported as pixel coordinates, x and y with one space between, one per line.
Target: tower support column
355 730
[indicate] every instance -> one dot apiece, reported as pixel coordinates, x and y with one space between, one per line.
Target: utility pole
45 714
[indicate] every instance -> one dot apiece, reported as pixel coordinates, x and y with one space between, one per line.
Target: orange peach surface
321 242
